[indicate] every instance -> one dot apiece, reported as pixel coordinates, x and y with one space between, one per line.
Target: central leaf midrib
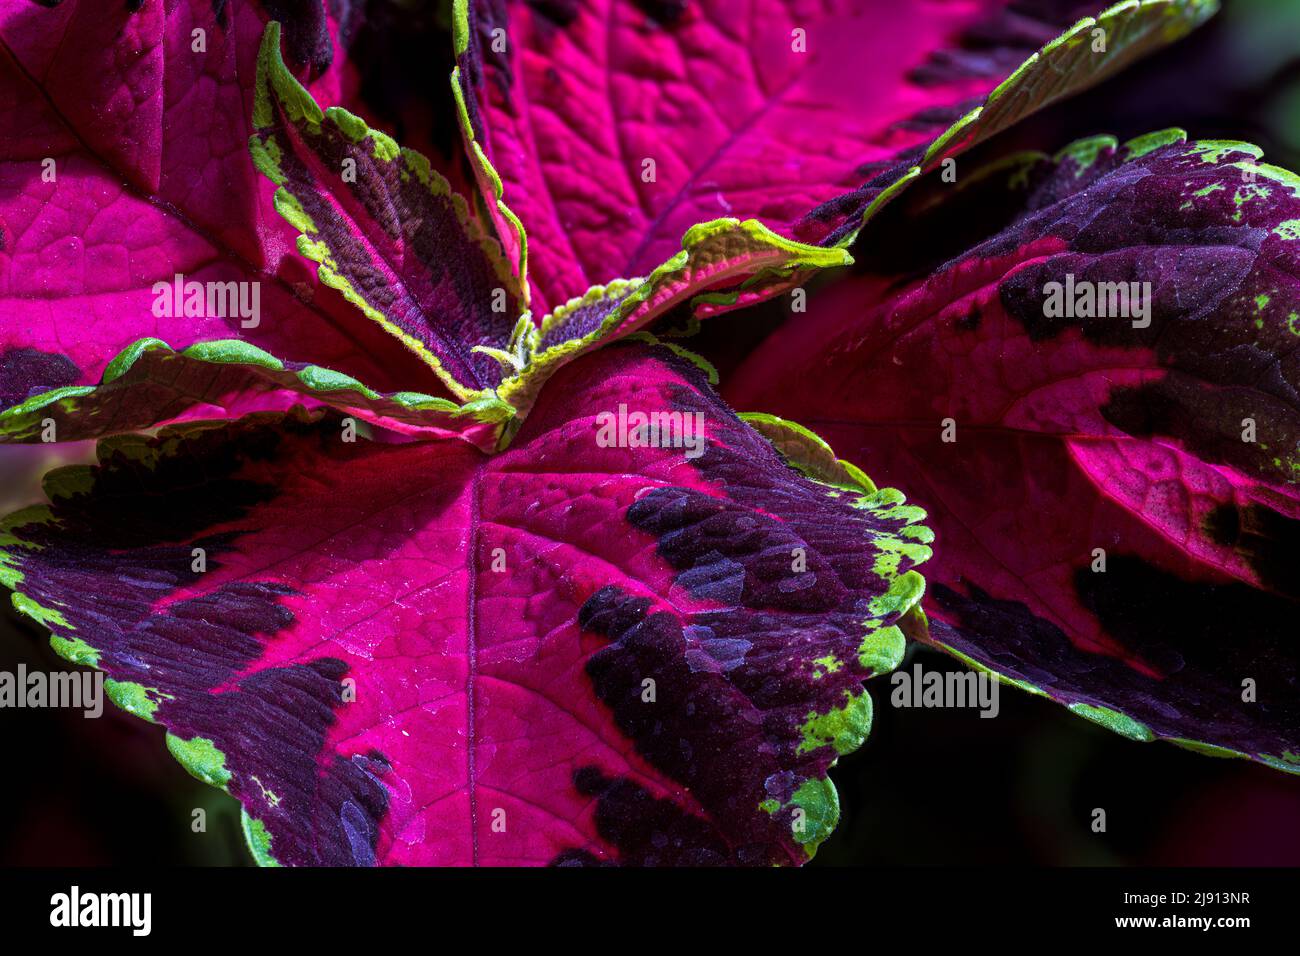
471 651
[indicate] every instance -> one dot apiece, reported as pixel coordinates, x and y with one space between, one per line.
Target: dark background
929 786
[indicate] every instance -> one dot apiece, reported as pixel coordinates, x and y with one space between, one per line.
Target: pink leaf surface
126 164
582 650
1114 492
768 109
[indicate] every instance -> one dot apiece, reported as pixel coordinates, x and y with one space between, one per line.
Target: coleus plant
392 557
1105 488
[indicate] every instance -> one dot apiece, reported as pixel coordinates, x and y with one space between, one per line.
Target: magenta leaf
389 233
611 127
386 230
600 645
721 251
1113 485
150 384
1091 50
119 175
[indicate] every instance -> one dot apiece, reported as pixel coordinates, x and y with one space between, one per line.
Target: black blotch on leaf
1207 633
306 33
131 541
666 12
998 43
559 12
1207 420
647 830
27 372
1202 639
1267 539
